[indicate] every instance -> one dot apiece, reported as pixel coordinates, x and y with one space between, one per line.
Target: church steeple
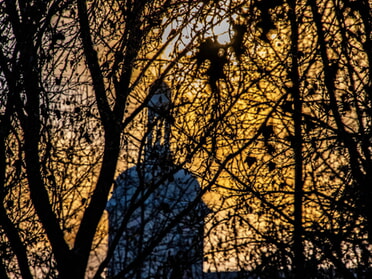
158 122
160 194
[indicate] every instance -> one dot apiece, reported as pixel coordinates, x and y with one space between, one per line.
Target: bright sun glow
221 31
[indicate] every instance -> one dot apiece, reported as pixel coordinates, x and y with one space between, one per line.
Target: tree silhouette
299 198
74 80
275 124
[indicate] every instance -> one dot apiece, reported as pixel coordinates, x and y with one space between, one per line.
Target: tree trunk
298 249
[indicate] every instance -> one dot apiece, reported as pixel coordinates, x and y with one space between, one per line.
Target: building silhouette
155 212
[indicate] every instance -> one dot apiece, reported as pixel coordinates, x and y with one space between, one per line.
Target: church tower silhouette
155 213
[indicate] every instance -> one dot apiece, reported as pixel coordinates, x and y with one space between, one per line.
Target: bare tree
299 196
74 80
274 122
